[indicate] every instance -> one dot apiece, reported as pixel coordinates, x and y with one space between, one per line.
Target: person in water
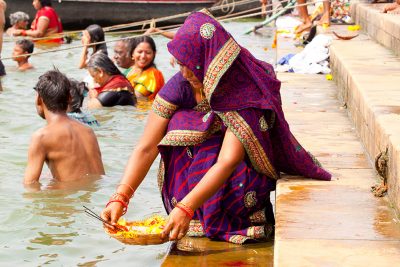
74 111
69 148
21 48
145 78
19 21
45 23
92 34
223 138
114 89
122 55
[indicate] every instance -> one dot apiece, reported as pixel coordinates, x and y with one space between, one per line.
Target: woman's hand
177 225
85 40
16 32
112 213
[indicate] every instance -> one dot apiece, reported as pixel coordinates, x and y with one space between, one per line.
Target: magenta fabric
248 84
249 88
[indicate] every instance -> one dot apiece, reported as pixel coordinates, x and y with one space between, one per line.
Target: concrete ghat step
335 223
382 28
368 78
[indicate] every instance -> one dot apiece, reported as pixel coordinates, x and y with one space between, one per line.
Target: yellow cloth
148 82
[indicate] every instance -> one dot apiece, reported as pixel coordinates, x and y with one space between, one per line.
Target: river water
48 227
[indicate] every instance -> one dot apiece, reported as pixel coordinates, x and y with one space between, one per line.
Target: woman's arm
139 163
42 26
93 102
231 155
85 50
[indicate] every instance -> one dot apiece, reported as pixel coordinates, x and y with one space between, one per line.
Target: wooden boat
78 14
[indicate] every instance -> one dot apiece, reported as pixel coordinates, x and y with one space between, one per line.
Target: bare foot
303 27
325 20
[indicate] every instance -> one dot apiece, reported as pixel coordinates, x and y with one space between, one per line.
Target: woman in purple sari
223 139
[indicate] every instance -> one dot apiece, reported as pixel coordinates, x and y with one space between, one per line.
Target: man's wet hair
53 88
26 45
77 90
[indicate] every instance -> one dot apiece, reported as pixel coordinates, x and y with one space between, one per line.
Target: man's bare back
69 148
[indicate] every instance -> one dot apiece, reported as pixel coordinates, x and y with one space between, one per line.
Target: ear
39 100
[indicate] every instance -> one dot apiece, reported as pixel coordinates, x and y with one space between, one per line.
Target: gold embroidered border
206 12
118 89
160 175
219 65
195 229
238 239
163 108
189 137
258 217
256 232
243 131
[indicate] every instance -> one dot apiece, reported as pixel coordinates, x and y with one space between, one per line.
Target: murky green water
48 227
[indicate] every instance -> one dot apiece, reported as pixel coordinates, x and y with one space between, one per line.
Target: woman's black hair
102 61
97 35
44 3
145 39
76 91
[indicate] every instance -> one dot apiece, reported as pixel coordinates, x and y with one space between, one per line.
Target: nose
184 71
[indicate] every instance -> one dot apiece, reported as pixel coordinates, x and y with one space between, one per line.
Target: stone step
382 28
368 78
339 222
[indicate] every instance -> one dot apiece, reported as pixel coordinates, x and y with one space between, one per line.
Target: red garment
116 83
54 21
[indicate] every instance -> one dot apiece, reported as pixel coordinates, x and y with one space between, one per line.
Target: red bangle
125 196
185 211
23 33
125 205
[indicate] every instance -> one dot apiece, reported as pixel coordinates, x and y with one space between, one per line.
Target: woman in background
92 34
19 21
145 78
45 24
114 89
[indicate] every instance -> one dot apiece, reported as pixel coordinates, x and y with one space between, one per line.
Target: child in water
77 91
21 48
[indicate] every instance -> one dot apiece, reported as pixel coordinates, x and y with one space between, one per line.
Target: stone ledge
368 79
383 28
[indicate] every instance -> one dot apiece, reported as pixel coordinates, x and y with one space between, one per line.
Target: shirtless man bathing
69 148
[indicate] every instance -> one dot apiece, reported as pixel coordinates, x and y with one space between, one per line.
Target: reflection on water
46 225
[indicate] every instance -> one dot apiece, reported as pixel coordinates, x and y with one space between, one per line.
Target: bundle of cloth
312 60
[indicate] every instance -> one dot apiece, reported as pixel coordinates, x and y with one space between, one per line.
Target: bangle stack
189 212
23 33
121 198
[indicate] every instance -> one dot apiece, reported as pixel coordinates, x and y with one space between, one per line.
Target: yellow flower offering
143 232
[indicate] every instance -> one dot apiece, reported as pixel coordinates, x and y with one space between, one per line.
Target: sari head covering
233 79
243 92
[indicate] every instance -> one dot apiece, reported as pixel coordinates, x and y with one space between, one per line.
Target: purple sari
242 94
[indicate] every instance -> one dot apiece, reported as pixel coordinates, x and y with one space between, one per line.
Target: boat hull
78 14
